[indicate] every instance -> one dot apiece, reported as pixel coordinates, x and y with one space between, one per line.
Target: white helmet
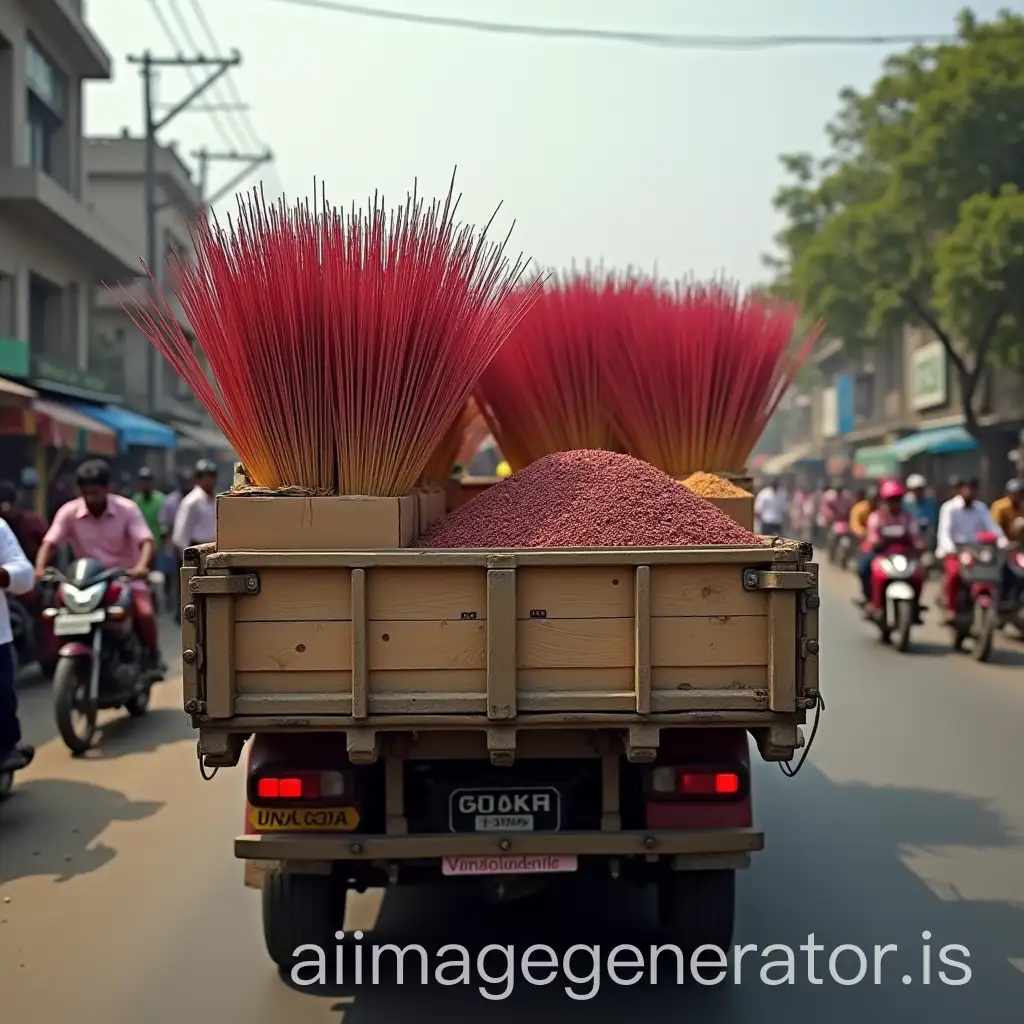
916 482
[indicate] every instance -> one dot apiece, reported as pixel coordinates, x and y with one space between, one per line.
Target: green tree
917 214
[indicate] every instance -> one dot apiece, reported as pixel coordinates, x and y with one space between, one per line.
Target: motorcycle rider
16 577
860 513
961 520
889 513
1008 512
111 529
920 502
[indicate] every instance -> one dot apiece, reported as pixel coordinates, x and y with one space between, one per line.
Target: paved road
122 901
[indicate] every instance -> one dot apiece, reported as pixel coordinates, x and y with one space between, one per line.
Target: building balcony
102 382
63 22
41 206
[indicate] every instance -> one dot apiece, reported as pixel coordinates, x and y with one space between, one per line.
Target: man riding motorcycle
919 502
888 515
111 529
860 513
961 520
1008 513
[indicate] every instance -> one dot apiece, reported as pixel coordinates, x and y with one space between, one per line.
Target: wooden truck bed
499 641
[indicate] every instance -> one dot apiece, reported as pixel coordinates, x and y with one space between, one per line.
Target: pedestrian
150 500
170 557
770 509
16 577
196 519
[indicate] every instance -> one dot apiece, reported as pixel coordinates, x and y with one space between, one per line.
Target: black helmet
1015 486
204 467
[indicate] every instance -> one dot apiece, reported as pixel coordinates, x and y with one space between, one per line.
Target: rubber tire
65 684
697 908
904 623
981 650
299 910
139 704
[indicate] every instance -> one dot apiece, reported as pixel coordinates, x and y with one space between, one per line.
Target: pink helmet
891 490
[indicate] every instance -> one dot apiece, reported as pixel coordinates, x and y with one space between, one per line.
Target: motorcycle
898 575
1011 607
104 666
33 641
976 616
927 534
842 545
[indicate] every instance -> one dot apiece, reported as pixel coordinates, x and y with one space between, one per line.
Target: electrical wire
679 41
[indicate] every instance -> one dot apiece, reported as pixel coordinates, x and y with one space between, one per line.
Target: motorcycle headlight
986 555
899 562
82 600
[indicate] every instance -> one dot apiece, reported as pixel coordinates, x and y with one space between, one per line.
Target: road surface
122 902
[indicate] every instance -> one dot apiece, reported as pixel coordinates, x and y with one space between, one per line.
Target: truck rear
512 716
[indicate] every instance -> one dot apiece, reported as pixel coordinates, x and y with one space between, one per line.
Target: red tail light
114 592
698 783
291 787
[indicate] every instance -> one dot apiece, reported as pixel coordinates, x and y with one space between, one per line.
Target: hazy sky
599 150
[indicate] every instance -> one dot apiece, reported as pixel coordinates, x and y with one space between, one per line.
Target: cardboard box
249 522
432 506
741 510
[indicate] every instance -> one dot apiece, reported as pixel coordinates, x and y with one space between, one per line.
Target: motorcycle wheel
75 713
985 631
139 703
904 623
6 782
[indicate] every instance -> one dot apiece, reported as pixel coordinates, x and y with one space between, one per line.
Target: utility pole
153 123
252 161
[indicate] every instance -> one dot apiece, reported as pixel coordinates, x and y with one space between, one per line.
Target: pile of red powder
586 499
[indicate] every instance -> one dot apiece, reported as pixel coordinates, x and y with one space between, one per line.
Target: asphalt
122 901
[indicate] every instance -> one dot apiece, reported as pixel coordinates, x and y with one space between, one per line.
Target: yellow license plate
304 819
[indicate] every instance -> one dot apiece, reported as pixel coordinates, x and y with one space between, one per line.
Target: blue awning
133 430
941 441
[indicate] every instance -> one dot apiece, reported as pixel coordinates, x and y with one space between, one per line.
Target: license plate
76 625
509 864
519 809
304 819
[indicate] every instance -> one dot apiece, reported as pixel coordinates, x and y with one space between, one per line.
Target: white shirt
770 506
195 522
23 577
961 525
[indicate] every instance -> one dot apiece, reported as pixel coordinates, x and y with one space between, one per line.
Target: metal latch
771 579
244 583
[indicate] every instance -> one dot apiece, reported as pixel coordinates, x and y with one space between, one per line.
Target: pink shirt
113 539
881 520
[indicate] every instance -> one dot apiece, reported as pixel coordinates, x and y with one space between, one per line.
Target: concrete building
54 248
114 169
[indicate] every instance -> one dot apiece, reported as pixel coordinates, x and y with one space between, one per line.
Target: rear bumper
351 847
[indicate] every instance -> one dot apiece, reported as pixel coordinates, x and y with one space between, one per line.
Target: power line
667 40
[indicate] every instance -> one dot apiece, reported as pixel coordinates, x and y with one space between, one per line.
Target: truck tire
299 910
697 908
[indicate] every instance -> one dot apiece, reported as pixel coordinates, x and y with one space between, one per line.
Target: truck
511 717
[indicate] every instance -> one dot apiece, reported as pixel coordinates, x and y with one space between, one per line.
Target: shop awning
12 389
61 427
196 438
133 430
775 465
941 441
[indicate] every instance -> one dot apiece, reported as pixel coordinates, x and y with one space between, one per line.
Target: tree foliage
917 213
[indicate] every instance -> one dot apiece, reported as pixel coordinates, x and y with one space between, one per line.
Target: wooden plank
396 682
292 646
736 640
783 638
360 675
587 592
447 644
576 643
396 594
705 590
501 644
219 654
786 554
190 638
718 677
642 639
292 683
295 595
595 680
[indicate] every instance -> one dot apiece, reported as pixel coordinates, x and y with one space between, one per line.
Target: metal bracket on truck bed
771 579
245 583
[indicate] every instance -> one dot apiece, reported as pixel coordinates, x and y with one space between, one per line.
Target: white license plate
899 591
509 864
77 625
